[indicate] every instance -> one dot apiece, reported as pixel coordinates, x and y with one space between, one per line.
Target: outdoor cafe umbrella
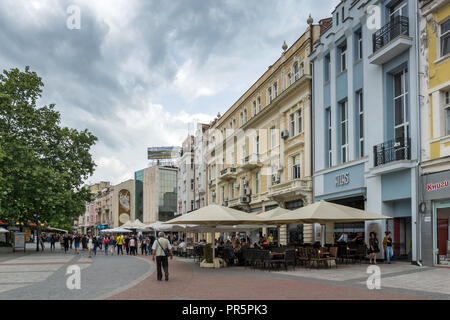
323 212
215 215
273 214
3 230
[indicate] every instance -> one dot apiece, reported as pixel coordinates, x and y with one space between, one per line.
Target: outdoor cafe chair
333 255
315 257
302 256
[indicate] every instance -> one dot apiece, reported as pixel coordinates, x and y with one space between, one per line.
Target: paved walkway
43 275
189 281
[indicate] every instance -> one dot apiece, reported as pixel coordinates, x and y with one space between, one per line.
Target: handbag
166 251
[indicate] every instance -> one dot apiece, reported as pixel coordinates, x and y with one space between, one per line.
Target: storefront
435 219
345 186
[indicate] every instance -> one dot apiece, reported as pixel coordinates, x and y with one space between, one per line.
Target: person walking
66 243
95 242
132 245
119 242
84 242
71 241
143 246
77 240
105 245
112 245
90 245
160 246
373 248
389 251
127 244
52 242
100 241
150 247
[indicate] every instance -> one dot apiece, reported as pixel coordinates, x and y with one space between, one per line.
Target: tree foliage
42 164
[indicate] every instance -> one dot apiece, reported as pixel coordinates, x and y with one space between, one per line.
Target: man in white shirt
343 238
158 248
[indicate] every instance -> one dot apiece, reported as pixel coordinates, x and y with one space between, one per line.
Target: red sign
437 186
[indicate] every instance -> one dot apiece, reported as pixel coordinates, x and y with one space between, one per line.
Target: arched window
296 75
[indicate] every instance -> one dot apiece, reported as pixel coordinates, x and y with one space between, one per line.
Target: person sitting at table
358 239
270 239
182 244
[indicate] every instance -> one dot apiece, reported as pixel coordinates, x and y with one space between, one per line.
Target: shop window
445 38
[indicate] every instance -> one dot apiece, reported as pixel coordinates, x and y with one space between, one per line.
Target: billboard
160 153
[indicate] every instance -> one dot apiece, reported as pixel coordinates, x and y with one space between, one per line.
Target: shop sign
437 186
342 179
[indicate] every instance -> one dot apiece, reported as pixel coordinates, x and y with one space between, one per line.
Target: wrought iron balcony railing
393 150
397 26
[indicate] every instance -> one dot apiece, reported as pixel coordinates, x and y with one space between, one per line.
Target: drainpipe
419 136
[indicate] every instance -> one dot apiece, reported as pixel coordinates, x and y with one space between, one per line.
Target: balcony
251 162
292 188
391 40
228 174
391 151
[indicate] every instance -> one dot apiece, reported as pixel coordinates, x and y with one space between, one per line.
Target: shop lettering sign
437 186
342 179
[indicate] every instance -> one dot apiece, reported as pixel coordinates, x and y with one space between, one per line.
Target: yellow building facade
259 151
436 87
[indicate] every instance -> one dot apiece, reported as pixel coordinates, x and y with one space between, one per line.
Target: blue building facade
366 117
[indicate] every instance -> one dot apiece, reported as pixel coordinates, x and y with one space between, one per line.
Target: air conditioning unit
245 199
284 134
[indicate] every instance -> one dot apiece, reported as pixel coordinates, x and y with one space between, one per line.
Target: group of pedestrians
110 245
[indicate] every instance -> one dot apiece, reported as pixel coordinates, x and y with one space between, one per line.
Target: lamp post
37 218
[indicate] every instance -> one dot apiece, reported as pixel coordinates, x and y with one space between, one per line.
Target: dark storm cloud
129 54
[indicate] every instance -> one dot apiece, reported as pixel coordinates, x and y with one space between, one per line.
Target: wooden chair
315 257
333 255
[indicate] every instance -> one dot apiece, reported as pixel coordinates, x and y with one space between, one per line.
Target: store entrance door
402 237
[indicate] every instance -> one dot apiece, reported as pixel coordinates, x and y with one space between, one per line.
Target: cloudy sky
140 73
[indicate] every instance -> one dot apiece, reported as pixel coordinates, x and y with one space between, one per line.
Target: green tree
43 164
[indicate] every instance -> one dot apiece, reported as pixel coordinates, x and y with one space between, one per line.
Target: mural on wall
124 206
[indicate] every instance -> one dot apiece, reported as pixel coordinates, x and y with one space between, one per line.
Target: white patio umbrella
215 215
323 212
3 230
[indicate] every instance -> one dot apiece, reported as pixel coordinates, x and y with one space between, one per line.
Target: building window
192 205
343 55
257 144
401 113
337 18
273 137
300 121
398 10
245 116
232 190
359 45
448 121
254 108
296 75
296 174
327 68
275 90
292 124
241 119
269 94
257 182
192 184
234 123
344 131
343 16
302 69
445 38
259 104
361 124
329 131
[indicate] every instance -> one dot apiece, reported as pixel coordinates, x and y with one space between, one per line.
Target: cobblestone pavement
348 282
42 275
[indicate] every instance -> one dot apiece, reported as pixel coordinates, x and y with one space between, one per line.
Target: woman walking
133 246
90 245
66 243
373 247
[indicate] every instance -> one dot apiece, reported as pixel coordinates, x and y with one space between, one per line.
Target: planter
217 264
